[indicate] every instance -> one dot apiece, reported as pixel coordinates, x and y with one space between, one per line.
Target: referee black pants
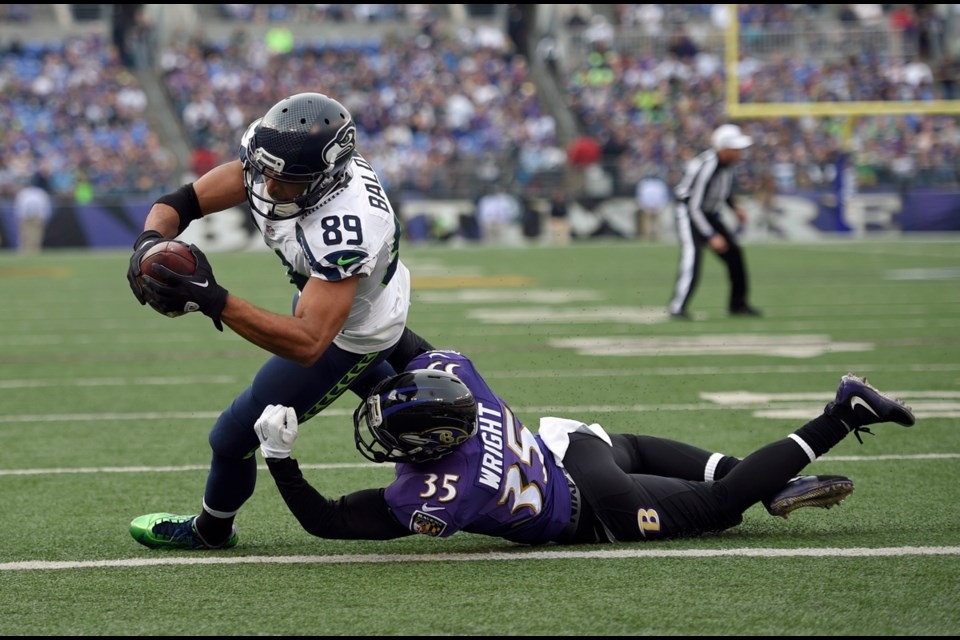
691 250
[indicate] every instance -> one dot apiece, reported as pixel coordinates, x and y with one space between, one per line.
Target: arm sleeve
361 515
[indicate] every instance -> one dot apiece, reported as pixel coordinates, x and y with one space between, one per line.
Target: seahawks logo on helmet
342 145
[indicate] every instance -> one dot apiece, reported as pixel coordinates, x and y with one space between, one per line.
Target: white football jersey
352 232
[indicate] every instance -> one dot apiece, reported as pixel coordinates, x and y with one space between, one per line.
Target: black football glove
163 306
140 246
199 292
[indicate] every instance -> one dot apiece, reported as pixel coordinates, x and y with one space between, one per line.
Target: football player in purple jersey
465 462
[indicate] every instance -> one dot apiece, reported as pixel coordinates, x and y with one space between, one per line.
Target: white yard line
371 465
523 554
572 372
933 408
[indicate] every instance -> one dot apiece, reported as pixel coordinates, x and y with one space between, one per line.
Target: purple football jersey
502 482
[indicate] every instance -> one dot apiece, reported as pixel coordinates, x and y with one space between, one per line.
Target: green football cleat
169 531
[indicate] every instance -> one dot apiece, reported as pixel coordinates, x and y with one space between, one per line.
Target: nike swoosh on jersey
857 400
342 262
427 508
199 284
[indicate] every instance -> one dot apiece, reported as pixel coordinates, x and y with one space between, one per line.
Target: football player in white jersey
321 207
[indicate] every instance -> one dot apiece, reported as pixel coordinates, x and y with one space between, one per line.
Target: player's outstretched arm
361 515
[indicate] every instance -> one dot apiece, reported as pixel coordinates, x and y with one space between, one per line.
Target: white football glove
277 430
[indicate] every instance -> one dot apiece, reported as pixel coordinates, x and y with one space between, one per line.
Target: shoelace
858 430
175 531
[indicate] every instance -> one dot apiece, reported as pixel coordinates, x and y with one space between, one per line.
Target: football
172 254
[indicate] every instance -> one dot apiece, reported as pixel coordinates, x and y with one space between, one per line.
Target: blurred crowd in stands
74 113
319 13
422 105
650 108
453 110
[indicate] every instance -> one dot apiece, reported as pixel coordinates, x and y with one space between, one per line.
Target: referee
705 187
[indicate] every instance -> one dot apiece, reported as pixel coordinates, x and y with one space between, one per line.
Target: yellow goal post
738 110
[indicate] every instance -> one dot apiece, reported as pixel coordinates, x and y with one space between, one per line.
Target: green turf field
105 408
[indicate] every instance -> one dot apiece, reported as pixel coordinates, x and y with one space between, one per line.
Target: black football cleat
809 491
858 404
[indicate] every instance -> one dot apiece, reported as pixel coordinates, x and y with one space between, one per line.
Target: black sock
769 468
725 466
213 530
822 434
